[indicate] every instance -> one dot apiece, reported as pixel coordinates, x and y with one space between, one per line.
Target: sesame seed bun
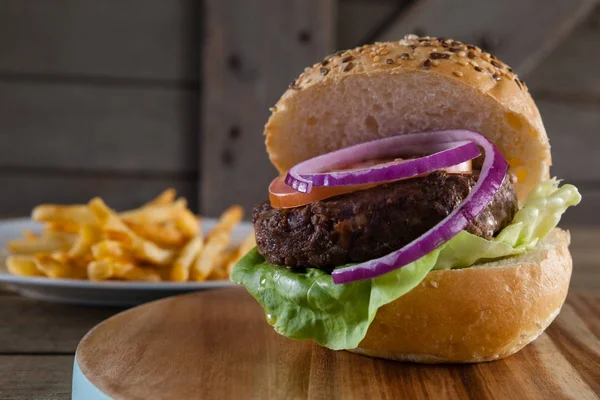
475 314
412 85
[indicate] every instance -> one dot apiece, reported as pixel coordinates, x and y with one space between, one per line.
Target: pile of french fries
160 241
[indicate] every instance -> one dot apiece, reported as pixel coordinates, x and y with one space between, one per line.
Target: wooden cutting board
217 345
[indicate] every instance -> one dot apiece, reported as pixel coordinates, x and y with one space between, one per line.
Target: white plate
110 293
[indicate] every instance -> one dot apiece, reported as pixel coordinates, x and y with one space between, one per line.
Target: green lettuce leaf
308 305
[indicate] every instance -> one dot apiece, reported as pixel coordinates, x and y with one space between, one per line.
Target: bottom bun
475 314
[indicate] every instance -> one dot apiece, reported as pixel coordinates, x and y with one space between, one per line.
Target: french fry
248 244
205 262
228 220
112 250
22 266
131 272
221 264
141 248
166 197
88 236
54 269
100 270
61 256
61 227
180 272
216 242
164 235
42 244
188 223
76 214
154 214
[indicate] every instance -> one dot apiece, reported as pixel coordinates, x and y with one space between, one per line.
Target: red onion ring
446 153
492 174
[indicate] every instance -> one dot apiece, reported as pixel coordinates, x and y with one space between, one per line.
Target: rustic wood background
124 98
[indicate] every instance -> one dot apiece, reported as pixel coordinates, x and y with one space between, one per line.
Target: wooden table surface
38 339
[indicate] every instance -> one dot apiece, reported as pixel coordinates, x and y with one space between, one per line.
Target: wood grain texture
22 190
139 39
237 355
249 58
35 377
29 326
95 127
572 67
504 28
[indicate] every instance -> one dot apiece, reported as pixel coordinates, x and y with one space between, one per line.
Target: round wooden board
217 345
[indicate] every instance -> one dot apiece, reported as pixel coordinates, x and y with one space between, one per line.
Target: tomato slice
283 196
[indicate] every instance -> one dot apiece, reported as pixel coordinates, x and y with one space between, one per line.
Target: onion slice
492 174
443 153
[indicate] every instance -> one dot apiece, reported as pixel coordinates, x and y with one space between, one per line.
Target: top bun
413 85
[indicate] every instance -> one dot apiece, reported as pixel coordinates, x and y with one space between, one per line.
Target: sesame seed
458 73
510 69
470 54
384 52
455 49
324 71
470 47
412 46
518 83
348 66
446 45
496 77
473 63
347 58
461 54
376 58
485 56
496 64
478 69
389 61
411 36
439 56
435 63
405 56
294 85
340 52
524 84
427 64
463 63
272 109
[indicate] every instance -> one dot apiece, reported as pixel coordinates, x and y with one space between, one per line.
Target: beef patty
371 223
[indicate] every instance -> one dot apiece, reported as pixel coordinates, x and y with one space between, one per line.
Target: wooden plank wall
246 67
566 87
103 97
97 98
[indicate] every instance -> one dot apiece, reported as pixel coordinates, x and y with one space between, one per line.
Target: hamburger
413 218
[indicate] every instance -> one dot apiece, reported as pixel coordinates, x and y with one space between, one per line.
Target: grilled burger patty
371 223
